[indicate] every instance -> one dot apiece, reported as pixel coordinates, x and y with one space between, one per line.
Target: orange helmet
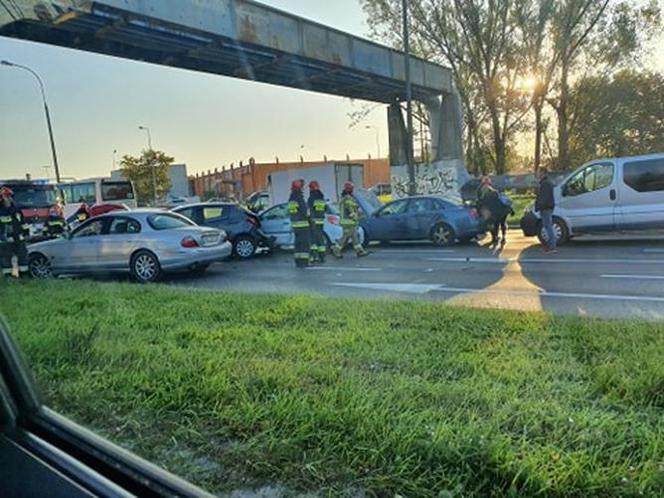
297 185
349 187
6 192
313 185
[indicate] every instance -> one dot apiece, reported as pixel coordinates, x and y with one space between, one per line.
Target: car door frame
419 224
283 231
119 259
639 210
590 212
85 245
377 229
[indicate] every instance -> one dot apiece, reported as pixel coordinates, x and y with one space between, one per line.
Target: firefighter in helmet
13 233
350 215
299 217
55 226
317 208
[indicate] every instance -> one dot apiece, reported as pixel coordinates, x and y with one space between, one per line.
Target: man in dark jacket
544 205
13 231
299 216
317 208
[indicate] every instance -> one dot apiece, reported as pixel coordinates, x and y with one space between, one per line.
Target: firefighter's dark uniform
55 226
317 207
13 233
297 209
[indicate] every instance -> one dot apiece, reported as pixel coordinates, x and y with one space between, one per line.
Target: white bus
96 192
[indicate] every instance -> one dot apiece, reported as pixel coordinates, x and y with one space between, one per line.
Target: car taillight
333 219
189 242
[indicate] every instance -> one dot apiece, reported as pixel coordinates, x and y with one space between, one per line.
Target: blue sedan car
423 218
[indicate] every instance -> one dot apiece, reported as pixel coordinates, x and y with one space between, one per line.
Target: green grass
335 396
520 203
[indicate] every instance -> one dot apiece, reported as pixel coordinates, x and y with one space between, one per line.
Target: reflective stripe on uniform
300 224
320 222
302 255
293 207
320 206
348 223
5 219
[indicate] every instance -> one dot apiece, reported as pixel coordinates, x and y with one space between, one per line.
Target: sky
205 121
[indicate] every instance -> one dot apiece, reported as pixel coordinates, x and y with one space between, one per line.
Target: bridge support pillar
446 172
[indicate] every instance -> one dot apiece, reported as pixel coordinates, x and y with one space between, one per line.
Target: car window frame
169 214
104 228
129 219
405 202
274 208
635 163
429 200
572 192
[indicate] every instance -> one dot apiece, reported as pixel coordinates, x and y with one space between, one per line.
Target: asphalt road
596 277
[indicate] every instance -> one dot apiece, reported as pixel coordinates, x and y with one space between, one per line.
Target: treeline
543 82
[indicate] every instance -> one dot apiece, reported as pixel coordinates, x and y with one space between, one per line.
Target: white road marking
342 268
473 260
427 288
552 260
654 251
636 277
409 288
566 295
422 251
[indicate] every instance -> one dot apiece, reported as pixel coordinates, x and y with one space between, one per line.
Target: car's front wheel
145 267
244 247
559 229
40 267
443 235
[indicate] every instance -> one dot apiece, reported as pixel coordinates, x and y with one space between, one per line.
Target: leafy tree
151 167
476 40
620 116
492 47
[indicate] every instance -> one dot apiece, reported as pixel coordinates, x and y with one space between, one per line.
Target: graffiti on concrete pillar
429 180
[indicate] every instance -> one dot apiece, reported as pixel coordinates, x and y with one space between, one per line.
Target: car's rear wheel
443 235
40 267
244 247
145 267
559 228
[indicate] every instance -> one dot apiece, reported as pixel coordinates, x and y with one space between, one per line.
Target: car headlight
223 236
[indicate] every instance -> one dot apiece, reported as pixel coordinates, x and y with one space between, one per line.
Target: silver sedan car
144 243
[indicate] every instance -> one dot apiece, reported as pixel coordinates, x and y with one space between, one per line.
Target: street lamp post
412 188
375 128
56 166
152 166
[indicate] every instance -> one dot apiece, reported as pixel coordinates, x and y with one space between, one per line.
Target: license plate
210 239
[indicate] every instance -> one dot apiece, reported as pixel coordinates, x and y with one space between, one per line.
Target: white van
607 196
